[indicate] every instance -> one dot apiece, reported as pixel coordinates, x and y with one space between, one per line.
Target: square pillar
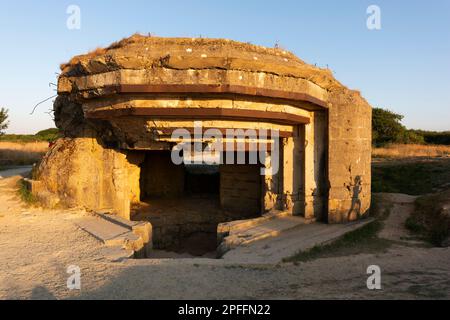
314 153
271 185
292 173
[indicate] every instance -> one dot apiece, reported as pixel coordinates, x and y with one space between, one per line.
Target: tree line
387 128
43 135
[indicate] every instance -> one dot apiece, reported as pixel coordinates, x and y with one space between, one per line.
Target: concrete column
292 177
271 186
314 166
121 200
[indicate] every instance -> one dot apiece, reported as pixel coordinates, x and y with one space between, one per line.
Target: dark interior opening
185 203
201 179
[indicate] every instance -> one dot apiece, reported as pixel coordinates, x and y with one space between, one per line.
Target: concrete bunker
119 110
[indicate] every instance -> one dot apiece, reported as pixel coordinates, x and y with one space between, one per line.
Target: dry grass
16 153
411 150
101 51
92 54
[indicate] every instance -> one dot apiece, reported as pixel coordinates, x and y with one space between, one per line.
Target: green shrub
48 134
433 137
411 137
413 225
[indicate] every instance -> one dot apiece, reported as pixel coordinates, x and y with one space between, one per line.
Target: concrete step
270 228
226 228
102 229
140 228
114 231
107 215
248 231
272 250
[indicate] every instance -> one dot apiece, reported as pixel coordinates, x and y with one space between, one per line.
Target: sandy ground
37 246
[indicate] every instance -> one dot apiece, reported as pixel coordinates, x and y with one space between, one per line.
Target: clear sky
405 66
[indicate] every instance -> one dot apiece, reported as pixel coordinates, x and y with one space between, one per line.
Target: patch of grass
413 178
414 226
362 240
428 220
25 194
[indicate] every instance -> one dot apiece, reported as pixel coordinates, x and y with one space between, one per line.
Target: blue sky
405 66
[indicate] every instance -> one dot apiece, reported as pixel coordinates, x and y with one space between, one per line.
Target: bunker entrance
185 203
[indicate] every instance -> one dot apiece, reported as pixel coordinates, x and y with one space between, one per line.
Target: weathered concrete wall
80 172
349 156
160 176
240 188
135 160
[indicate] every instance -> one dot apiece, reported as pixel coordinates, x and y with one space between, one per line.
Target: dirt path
36 246
16 171
394 226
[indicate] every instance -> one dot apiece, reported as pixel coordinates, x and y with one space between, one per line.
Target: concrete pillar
135 159
292 177
121 200
271 186
314 166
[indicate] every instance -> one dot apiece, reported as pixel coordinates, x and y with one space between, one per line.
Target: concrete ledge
301 238
141 228
115 231
236 233
224 229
